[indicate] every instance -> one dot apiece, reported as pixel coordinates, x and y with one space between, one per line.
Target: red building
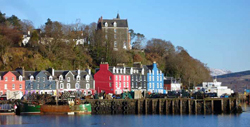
11 81
112 79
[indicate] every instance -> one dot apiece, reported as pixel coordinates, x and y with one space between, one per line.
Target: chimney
23 72
104 66
78 71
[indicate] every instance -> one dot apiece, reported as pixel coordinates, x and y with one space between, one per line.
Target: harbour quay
165 106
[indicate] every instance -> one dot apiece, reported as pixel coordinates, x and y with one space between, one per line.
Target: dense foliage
55 46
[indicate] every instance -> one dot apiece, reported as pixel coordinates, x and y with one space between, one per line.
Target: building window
37 86
132 78
153 85
106 24
150 85
116 84
160 78
124 84
120 84
157 78
115 44
50 86
149 78
38 79
61 86
43 79
78 78
12 78
115 36
127 78
68 85
1 93
13 86
110 84
106 36
110 78
68 79
77 85
20 86
132 84
157 85
124 78
136 84
87 77
31 86
120 78
152 78
161 85
44 86
87 86
6 78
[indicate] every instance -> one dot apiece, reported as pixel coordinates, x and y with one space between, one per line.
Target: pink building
112 79
11 81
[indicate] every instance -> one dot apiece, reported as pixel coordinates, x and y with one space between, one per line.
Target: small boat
6 109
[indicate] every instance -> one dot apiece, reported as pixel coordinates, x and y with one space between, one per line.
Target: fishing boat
29 108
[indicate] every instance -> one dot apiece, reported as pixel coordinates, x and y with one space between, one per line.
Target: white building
214 87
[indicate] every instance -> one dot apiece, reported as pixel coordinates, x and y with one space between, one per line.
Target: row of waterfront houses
116 80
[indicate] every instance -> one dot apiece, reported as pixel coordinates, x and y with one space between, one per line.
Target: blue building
155 82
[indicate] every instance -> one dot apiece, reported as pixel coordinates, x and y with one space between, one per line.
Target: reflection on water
224 120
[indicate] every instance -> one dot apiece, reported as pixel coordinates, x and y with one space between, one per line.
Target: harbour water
222 120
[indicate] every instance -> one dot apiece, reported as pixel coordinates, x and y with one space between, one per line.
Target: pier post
180 106
172 106
146 106
222 106
230 105
195 108
138 106
189 106
152 108
204 106
212 104
159 106
166 106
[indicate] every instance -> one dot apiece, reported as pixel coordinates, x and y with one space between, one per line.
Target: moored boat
29 108
6 109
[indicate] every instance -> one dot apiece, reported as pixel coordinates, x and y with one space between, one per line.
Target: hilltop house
117 31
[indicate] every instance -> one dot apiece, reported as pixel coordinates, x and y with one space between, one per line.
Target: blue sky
217 32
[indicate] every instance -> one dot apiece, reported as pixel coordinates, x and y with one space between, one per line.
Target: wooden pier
165 106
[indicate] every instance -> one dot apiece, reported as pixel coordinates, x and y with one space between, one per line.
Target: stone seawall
164 106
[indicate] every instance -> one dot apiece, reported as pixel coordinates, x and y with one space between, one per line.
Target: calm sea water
241 120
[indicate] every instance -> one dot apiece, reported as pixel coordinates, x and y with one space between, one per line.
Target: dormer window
43 79
50 78
113 69
115 24
6 78
61 77
38 79
20 78
78 78
68 79
31 78
106 24
12 78
87 77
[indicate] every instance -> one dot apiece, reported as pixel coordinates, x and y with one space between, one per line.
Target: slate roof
119 22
